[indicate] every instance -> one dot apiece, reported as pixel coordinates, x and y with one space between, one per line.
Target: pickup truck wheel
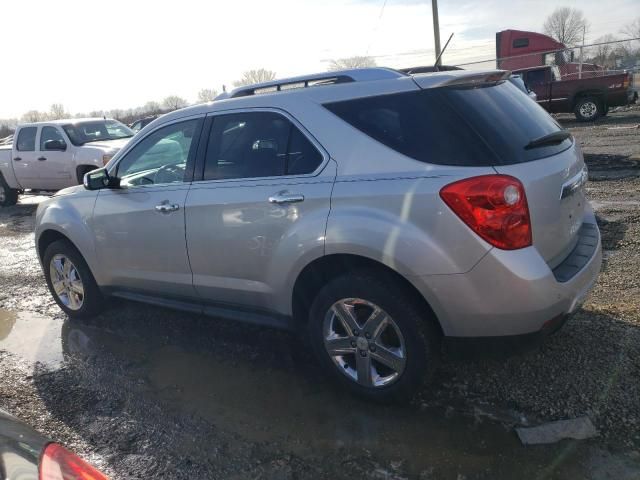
70 281
372 337
8 196
588 109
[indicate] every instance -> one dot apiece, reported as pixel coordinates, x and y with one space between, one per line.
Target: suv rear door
261 206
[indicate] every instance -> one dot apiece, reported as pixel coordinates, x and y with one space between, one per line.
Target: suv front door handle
42 159
281 198
165 207
16 159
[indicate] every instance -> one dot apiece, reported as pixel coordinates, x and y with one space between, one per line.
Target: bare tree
351 62
174 102
632 30
56 111
601 54
566 25
207 95
255 76
33 116
151 108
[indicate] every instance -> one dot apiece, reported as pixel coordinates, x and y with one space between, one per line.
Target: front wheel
371 336
588 109
8 195
70 281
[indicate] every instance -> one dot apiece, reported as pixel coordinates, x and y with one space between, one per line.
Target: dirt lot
149 393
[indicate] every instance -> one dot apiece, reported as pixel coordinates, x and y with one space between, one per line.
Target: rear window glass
479 126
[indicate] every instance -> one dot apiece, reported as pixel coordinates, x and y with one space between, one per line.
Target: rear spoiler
461 78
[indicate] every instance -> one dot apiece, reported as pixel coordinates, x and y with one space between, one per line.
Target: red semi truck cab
517 49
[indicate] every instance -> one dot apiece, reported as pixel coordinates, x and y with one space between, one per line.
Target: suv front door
261 205
139 228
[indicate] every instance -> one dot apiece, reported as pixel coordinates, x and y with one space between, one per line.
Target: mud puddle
32 337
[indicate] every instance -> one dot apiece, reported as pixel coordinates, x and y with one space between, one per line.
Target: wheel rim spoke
376 323
346 317
339 346
388 358
363 364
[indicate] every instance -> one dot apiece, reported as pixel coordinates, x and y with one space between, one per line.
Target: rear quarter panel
403 223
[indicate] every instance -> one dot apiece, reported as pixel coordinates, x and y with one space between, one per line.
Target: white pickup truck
54 155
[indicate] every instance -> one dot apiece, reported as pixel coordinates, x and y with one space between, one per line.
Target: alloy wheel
66 282
364 342
588 109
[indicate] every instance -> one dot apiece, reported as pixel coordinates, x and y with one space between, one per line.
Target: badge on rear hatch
574 184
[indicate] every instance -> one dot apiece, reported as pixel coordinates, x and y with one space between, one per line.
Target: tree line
168 104
569 26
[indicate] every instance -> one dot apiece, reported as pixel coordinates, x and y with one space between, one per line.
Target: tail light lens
627 81
493 206
58 463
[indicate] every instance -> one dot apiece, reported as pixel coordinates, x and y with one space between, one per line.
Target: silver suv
376 211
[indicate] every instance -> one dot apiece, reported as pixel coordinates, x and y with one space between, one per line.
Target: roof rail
326 78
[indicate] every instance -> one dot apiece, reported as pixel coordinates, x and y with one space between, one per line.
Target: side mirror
58 145
99 179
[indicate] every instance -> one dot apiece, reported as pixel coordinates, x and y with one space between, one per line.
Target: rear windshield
479 126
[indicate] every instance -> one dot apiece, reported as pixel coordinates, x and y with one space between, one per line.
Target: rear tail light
493 206
58 463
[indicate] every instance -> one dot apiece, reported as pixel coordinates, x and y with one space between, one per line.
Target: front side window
96 131
49 133
257 144
27 139
536 77
161 157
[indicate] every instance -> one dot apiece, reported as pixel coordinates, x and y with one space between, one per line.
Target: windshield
96 130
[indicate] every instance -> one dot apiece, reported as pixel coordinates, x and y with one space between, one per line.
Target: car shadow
147 385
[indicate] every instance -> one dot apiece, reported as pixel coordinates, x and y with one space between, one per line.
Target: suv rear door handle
165 207
42 159
281 198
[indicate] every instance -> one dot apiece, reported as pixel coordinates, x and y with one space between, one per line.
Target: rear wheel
588 109
372 337
70 281
8 195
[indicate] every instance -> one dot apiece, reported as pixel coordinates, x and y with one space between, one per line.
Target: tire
75 305
588 109
8 196
418 339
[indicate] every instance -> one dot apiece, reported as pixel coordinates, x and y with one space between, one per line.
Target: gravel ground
149 393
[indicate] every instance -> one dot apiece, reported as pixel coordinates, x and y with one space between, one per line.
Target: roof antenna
435 65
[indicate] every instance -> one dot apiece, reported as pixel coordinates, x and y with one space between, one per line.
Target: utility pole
584 31
436 30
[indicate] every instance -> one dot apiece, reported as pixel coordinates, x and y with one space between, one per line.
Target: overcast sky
92 55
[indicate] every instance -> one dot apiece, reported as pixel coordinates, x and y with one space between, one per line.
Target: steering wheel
169 174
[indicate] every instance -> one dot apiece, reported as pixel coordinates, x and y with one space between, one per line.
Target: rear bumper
514 292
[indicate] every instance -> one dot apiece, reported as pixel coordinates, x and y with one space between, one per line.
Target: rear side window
257 144
418 124
479 126
27 139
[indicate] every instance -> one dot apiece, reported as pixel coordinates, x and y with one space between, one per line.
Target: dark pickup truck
587 98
